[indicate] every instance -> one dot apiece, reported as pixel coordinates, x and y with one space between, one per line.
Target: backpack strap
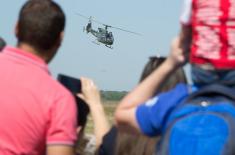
213 90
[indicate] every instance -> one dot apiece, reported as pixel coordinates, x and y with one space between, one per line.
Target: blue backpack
204 124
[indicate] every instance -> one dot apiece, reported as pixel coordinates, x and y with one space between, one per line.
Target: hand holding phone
90 92
71 83
74 86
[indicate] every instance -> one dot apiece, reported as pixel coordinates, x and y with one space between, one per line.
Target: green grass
109 107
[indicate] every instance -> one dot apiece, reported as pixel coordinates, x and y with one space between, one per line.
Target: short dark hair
40 24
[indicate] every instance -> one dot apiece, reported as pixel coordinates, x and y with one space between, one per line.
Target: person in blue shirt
116 142
138 112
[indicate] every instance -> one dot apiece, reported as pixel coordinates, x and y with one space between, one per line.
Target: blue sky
111 69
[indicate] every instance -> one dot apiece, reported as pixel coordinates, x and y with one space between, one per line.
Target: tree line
112 95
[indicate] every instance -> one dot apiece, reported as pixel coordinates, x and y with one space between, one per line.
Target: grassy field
109 107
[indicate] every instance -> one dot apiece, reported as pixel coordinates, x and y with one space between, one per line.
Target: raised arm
91 96
185 38
185 34
125 112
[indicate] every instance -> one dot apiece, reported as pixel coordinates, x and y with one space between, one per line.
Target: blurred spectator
147 112
121 143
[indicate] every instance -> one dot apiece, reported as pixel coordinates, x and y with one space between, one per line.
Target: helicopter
103 35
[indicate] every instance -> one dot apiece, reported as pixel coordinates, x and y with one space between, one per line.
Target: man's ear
61 37
59 40
79 128
17 29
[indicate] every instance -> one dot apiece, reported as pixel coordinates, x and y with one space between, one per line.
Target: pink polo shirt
35 110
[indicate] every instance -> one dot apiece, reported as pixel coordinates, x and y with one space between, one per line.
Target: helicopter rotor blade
90 18
97 22
108 26
82 16
125 30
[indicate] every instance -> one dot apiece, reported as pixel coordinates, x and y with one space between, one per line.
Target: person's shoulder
179 91
154 111
180 88
175 95
185 17
59 88
54 91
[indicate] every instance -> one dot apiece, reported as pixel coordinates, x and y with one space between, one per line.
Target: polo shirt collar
26 56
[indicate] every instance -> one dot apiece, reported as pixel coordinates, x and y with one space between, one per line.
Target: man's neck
32 50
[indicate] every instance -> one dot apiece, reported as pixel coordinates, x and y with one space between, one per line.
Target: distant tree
112 95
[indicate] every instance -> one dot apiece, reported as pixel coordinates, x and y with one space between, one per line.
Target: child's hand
177 55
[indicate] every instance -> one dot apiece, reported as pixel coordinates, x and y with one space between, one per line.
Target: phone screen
71 83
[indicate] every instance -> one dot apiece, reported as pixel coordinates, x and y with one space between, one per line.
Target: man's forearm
149 86
60 150
125 112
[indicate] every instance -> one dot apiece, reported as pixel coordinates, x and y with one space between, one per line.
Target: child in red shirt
208 32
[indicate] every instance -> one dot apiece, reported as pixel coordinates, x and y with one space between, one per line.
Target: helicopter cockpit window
99 29
109 35
88 28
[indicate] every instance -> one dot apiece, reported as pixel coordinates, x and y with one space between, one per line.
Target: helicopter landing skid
95 42
109 46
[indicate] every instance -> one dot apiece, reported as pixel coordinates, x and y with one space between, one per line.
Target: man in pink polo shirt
37 114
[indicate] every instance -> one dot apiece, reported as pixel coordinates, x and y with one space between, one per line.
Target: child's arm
185 39
186 26
126 110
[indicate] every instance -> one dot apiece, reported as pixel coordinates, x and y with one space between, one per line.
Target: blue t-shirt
152 115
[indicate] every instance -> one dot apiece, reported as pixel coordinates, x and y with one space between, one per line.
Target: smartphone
71 83
74 86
